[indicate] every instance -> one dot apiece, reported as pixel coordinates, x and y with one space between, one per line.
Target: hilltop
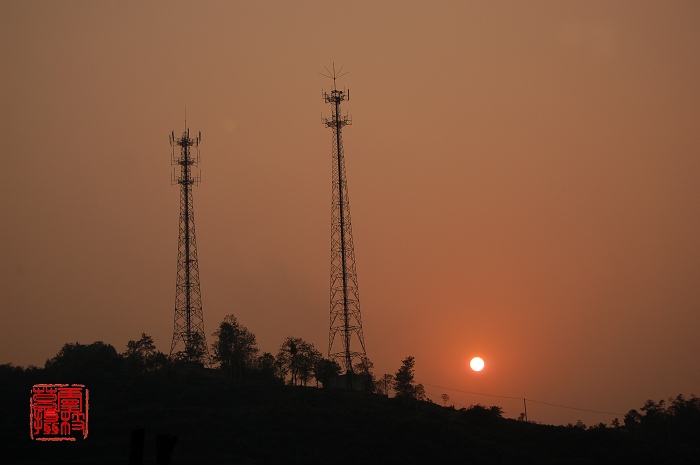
218 420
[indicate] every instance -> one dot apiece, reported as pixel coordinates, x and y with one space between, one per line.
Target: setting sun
477 364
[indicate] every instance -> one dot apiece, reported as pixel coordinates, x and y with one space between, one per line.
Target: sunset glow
523 177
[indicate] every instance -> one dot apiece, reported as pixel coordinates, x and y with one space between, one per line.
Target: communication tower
346 343
189 341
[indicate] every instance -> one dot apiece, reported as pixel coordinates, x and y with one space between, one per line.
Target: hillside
219 421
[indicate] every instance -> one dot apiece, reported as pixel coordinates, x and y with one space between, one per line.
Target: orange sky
523 181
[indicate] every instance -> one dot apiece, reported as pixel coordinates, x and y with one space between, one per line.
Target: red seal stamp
58 412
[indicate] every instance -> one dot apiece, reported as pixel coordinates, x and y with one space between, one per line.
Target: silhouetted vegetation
444 398
194 352
142 355
297 360
98 364
235 347
403 380
384 384
243 412
675 420
364 368
403 384
326 370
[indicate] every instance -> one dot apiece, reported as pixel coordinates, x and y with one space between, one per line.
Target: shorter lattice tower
189 341
346 343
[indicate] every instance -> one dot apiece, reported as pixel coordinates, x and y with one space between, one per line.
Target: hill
219 421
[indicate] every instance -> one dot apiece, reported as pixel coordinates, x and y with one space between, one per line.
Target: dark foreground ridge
220 421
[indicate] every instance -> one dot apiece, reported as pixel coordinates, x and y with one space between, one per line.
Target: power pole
345 319
188 334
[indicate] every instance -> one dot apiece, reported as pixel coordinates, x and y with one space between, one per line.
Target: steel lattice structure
346 343
189 341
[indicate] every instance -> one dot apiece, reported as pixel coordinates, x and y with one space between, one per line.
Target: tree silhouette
364 368
444 398
94 363
420 393
265 365
655 421
235 347
195 349
326 370
483 412
403 380
142 349
384 384
297 358
632 420
142 355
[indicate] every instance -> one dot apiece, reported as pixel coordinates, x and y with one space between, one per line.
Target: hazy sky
524 182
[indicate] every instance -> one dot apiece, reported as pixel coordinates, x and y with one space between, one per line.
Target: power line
451 401
527 399
474 393
575 408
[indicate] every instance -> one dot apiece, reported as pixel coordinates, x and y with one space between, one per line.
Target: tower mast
189 341
345 318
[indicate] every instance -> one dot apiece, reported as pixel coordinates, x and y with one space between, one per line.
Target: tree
364 368
484 413
384 384
655 416
235 347
420 393
195 349
680 420
194 352
141 349
403 380
297 358
84 363
632 420
326 370
307 358
142 355
444 398
265 365
685 417
496 411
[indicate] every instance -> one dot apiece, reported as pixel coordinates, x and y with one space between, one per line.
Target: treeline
234 353
142 385
297 362
677 419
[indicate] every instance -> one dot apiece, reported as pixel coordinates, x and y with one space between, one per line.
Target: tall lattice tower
346 343
189 341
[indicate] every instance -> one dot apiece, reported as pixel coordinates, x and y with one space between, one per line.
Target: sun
477 364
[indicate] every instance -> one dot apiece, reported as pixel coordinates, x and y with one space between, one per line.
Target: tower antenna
334 75
189 340
346 343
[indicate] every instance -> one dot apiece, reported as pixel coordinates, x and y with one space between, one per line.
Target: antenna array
346 344
188 333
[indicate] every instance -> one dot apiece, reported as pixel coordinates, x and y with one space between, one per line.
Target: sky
524 184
